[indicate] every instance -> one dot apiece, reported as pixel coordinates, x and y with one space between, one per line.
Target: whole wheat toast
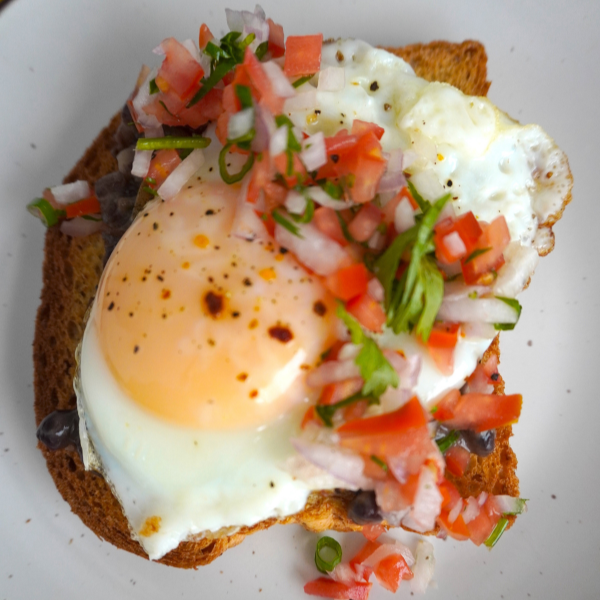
71 271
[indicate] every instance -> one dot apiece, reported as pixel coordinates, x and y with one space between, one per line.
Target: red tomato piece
394 496
372 531
366 221
441 343
482 525
87 206
355 411
364 553
179 72
468 229
449 493
261 83
222 127
340 143
349 282
391 571
482 411
162 165
310 416
298 170
361 127
326 221
335 392
302 55
457 460
328 588
444 409
208 109
371 469
409 416
492 242
204 36
457 529
368 312
231 104
276 39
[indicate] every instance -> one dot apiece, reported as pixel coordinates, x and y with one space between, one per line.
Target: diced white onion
484 310
314 153
389 549
324 199
240 123
395 161
391 182
332 79
427 503
455 510
423 568
192 49
344 573
71 192
280 84
143 98
482 498
404 216
428 184
125 159
154 132
447 212
246 224
471 511
279 141
314 249
375 289
377 241
454 244
295 202
301 101
521 262
141 163
333 371
80 227
179 177
454 290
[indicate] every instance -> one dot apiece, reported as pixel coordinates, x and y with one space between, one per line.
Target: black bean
60 429
363 508
482 444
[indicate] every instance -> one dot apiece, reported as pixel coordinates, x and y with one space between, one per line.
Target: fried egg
192 369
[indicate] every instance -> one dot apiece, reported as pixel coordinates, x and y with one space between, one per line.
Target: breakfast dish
389 208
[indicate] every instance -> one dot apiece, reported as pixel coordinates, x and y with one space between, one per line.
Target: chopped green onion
45 212
379 463
345 230
497 533
307 215
208 83
475 254
153 87
326 411
235 177
261 50
149 190
169 142
328 554
244 95
424 205
513 303
334 190
448 440
302 80
279 218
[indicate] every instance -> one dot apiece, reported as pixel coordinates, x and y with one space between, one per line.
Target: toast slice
71 271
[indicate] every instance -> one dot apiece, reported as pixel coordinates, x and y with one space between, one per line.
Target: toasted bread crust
71 270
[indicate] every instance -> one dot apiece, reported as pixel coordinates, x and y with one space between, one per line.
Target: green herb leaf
326 411
424 205
513 303
477 252
335 190
244 95
208 83
379 462
169 142
307 215
153 87
279 218
328 554
376 371
448 440
261 50
497 532
302 80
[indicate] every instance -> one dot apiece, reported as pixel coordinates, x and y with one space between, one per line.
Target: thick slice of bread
72 267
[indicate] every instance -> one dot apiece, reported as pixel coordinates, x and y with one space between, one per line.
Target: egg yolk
205 329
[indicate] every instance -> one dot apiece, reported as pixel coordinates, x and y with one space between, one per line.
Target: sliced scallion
228 177
279 218
497 532
45 212
513 303
169 142
448 440
302 80
328 554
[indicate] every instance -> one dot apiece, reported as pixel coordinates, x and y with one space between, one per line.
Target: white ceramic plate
65 69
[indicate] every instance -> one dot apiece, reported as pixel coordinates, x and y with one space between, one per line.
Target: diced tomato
457 529
483 524
364 553
222 126
372 531
482 377
349 282
468 229
231 103
303 55
457 460
373 470
261 83
391 571
298 170
87 206
361 127
355 411
394 496
368 312
366 221
179 73
335 392
205 35
328 588
162 165
492 242
340 143
479 412
444 409
441 343
326 221
276 39
449 493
